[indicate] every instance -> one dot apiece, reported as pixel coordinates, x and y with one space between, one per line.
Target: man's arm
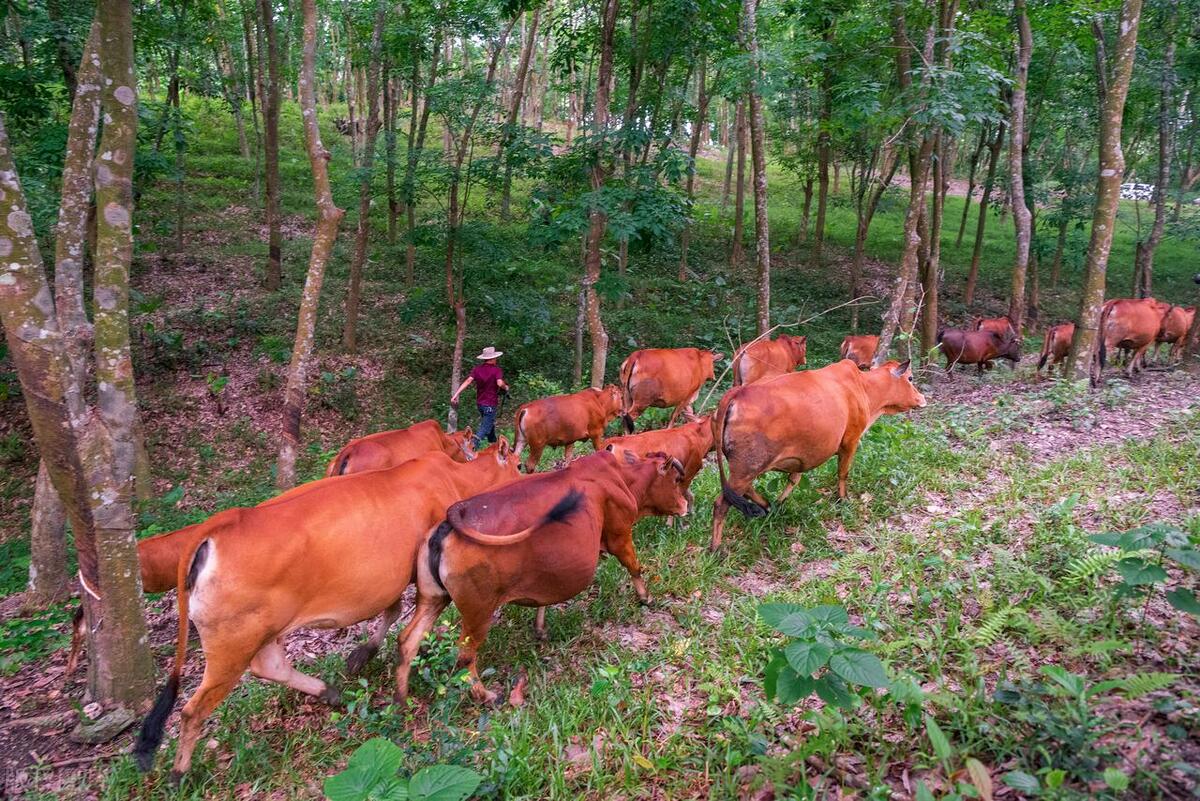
459 391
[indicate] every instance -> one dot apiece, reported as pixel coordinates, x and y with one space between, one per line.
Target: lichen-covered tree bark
363 232
1108 188
736 254
328 218
598 220
758 154
1143 272
1022 219
271 85
698 127
985 199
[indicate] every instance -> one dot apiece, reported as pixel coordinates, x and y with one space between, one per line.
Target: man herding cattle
488 379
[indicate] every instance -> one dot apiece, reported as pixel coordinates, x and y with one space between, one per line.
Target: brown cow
1056 345
1128 324
688 443
767 358
1175 325
341 552
390 448
535 543
565 420
664 378
796 422
860 349
1000 325
977 347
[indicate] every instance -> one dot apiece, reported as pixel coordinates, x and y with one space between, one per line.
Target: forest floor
964 547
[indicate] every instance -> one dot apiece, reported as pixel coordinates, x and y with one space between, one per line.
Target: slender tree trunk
931 279
824 138
698 127
415 147
514 109
979 148
598 219
762 238
389 144
328 218
62 47
802 234
1108 188
988 183
274 275
460 338
254 89
739 201
363 232
49 581
866 212
730 149
1022 218
1144 255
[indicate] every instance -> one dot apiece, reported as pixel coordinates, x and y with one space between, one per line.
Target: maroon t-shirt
487 378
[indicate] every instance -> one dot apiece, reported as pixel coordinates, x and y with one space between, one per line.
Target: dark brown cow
1056 345
767 358
664 378
796 422
390 448
327 556
860 349
565 420
999 325
977 347
535 544
1175 325
1128 324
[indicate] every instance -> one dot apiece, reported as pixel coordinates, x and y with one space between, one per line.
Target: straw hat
489 353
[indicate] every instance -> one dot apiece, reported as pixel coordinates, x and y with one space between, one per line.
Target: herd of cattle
420 505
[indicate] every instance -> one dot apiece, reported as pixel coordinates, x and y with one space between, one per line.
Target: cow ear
718 356
503 447
610 448
467 433
902 368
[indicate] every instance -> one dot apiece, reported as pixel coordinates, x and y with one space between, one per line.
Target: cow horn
678 465
902 368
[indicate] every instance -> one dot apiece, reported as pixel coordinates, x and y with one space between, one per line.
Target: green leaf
1116 779
806 658
938 739
1144 537
833 691
1109 538
793 688
774 614
443 783
1055 778
771 673
1184 600
1188 557
859 667
797 624
922 793
981 777
1021 781
830 616
372 768
1137 572
1070 682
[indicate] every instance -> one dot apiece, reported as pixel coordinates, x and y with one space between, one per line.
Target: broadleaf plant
372 775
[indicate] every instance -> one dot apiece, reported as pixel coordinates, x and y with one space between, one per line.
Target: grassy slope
664 701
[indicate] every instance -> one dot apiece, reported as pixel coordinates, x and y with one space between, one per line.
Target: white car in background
1137 191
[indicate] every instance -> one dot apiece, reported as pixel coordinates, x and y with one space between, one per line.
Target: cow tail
338 466
151 735
1102 333
519 431
738 360
1047 344
558 513
626 375
744 505
843 351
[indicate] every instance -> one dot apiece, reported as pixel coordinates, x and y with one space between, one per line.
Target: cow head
1009 347
502 458
799 348
666 493
610 401
464 448
713 357
895 391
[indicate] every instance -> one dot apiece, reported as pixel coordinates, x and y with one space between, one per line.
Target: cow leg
535 456
1139 359
720 509
424 616
363 654
539 624
476 621
621 546
568 451
845 459
793 480
271 663
685 406
222 671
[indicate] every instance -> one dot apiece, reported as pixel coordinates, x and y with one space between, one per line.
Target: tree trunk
514 109
698 127
62 47
802 234
363 233
739 202
988 183
254 88
868 202
273 279
823 149
1108 189
931 280
730 149
1022 219
962 224
1144 261
328 218
49 581
460 338
416 144
762 238
389 145
598 219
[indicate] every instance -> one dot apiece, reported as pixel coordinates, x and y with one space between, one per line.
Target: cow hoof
485 697
174 779
330 696
540 635
647 601
400 699
359 658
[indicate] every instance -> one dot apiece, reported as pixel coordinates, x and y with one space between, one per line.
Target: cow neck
474 476
638 487
874 383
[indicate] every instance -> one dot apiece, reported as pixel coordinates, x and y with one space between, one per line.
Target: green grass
969 562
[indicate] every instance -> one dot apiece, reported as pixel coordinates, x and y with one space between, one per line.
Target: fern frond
991 627
1086 568
1140 684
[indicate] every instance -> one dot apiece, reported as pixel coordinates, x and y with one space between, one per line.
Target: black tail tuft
744 505
436 545
151 736
628 421
1042 361
565 507
1103 351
